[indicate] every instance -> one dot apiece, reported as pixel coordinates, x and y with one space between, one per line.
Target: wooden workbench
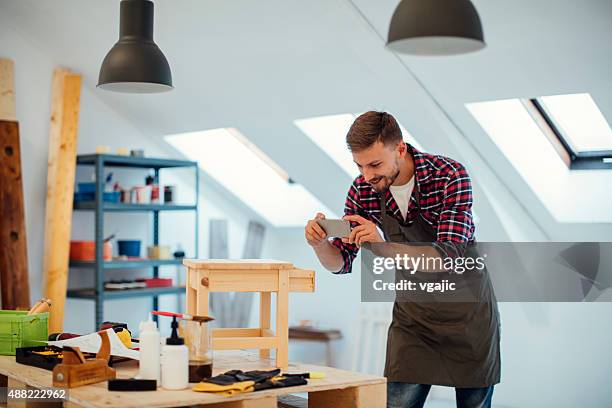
339 388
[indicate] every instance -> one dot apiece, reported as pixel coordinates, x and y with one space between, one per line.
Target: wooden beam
364 396
65 97
265 402
14 281
7 90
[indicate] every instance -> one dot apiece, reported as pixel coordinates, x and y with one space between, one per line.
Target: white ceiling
258 66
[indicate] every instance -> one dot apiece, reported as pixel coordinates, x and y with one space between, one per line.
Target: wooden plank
14 280
243 280
7 90
97 395
301 280
191 298
236 332
65 97
268 402
13 245
236 264
257 280
282 319
265 303
237 343
202 302
365 396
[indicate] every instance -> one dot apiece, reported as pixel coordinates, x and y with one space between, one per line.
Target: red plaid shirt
445 200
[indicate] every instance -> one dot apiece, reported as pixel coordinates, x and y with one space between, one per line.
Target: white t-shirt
402 195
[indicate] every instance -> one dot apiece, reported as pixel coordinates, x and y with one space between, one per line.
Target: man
404 195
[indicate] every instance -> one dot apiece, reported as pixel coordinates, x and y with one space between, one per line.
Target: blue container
129 247
87 188
109 197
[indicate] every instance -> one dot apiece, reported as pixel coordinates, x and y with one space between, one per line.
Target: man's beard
385 181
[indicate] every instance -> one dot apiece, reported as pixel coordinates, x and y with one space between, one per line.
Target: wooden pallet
339 388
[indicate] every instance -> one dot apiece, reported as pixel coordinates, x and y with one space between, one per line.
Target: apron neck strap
383 198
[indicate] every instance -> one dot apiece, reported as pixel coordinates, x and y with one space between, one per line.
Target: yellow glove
231 389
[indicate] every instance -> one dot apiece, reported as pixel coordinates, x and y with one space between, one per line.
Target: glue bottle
149 351
175 361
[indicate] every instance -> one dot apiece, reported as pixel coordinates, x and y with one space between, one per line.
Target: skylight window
512 128
329 133
236 163
572 124
532 149
579 121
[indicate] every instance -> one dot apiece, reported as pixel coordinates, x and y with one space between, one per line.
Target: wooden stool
248 275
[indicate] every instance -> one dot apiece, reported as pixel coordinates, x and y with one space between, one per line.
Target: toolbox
45 357
18 329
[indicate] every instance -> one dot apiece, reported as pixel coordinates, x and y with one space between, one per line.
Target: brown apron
441 343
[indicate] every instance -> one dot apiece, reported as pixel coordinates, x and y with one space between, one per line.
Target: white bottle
175 361
149 351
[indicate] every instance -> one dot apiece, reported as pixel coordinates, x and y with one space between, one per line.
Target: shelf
118 207
129 264
127 293
99 164
111 160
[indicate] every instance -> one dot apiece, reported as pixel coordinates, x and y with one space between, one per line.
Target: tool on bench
132 384
184 316
43 305
313 375
76 370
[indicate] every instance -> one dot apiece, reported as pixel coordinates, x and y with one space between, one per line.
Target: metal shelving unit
99 207
122 294
129 264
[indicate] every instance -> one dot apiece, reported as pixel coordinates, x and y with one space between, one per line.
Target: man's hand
366 231
315 236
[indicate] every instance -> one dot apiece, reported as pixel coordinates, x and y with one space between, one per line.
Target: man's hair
372 127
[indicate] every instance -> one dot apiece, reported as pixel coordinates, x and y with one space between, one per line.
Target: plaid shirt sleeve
456 224
349 251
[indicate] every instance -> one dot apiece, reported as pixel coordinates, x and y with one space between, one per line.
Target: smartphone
335 228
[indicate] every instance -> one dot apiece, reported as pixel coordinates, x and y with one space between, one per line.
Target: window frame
588 160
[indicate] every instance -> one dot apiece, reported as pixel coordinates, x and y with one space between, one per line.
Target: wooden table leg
202 303
282 319
365 396
191 294
264 318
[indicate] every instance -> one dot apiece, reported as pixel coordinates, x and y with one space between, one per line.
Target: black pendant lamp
135 64
435 27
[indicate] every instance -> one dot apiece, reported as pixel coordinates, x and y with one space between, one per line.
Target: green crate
18 329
